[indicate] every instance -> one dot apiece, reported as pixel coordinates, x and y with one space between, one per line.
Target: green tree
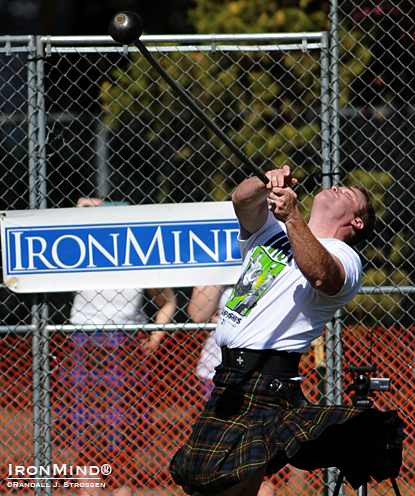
268 102
260 16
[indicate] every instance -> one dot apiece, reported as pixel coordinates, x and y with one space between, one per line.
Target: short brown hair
368 216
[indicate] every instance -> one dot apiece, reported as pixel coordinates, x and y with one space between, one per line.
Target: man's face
339 202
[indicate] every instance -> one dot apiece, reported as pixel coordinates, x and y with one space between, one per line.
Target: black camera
363 385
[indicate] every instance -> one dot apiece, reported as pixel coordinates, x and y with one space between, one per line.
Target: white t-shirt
273 306
109 306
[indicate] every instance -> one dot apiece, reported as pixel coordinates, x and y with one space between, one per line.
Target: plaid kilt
246 424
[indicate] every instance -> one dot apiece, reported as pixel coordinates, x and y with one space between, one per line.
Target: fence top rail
20 43
199 38
16 38
386 289
305 47
285 41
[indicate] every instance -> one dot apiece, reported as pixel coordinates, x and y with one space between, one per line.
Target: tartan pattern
246 424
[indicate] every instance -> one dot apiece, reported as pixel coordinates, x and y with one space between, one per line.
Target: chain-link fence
83 381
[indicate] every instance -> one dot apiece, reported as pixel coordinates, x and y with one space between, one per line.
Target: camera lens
362 382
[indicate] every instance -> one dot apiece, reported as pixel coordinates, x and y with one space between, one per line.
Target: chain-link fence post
334 329
41 126
334 86
40 348
37 389
32 121
36 320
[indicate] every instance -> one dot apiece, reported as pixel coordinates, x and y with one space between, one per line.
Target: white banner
144 246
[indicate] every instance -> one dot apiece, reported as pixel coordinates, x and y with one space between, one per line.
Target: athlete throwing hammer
294 278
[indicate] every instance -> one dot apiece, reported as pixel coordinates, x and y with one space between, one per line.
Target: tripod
362 491
362 385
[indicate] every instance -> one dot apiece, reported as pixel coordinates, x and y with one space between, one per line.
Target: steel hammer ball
125 27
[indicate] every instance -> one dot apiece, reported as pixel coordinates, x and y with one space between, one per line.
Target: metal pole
45 393
33 196
44 311
334 80
40 343
325 112
36 393
338 358
331 395
42 173
326 183
362 491
31 119
335 175
102 185
329 364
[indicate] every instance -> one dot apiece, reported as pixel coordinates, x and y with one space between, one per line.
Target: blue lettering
121 247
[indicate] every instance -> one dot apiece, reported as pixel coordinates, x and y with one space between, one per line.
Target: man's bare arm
165 299
204 303
322 270
251 206
250 199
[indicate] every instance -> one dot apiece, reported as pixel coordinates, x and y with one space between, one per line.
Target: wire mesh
83 118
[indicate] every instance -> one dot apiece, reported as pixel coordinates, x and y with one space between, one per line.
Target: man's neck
322 230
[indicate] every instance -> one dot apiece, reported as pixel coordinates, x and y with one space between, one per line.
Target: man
257 419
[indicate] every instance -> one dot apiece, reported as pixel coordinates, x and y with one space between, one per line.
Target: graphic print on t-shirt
266 262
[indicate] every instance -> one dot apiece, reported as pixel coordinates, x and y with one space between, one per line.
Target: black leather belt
275 363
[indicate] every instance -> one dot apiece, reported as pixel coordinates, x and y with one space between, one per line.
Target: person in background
109 415
122 306
205 305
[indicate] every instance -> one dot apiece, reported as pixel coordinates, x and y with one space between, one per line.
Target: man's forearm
250 204
318 266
